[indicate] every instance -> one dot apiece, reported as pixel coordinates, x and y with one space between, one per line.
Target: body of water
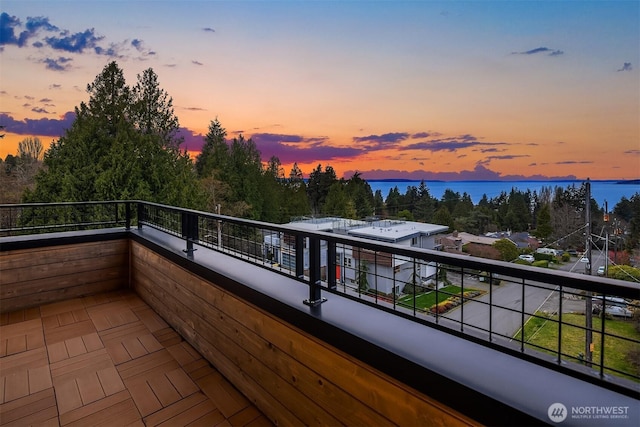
601 191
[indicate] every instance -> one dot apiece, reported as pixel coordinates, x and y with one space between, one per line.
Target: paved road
507 300
507 305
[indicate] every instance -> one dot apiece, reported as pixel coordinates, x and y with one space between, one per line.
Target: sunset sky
392 89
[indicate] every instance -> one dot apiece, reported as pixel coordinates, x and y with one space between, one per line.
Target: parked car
613 310
584 259
528 258
617 311
572 252
610 301
601 271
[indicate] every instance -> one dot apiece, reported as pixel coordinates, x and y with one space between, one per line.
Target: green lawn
424 301
618 352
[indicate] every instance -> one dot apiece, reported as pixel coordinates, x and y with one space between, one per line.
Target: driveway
507 306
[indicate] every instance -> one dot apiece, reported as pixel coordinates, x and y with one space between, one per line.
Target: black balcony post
127 213
140 215
490 306
315 290
189 230
299 256
331 260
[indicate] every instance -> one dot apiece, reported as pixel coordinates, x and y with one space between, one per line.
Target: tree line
124 144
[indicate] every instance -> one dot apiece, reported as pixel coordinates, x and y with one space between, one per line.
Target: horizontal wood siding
289 375
32 277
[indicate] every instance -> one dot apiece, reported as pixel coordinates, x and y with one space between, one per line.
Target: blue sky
495 89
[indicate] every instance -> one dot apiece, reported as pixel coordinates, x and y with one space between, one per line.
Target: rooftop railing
586 326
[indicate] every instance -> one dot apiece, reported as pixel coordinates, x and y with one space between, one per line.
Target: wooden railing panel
290 375
32 277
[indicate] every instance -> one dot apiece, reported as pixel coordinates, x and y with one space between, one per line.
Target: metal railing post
189 231
127 213
315 290
140 215
331 260
299 256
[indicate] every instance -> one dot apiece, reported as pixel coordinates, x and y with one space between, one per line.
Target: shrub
541 263
411 289
624 272
542 257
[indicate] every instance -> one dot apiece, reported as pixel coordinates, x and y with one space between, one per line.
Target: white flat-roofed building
385 274
409 233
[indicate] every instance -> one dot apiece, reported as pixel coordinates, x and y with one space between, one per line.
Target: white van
547 251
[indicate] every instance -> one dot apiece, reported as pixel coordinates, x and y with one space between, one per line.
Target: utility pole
606 238
615 240
588 350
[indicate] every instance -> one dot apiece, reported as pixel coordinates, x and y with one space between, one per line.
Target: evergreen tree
106 154
363 273
410 199
464 207
425 206
295 176
633 242
211 160
360 195
393 202
443 217
517 217
273 192
242 172
544 229
152 111
318 187
295 195
338 203
450 199
75 162
378 202
478 222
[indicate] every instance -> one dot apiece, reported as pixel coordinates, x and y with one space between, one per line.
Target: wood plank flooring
109 360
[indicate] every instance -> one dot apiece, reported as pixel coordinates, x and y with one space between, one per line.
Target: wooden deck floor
109 360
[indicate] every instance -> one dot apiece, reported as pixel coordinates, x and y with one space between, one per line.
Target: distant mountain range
479 173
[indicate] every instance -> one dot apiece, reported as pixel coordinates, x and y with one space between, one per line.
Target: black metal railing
36 218
533 313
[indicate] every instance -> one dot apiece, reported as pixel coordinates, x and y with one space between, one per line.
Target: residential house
385 274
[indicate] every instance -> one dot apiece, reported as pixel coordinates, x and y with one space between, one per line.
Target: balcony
309 338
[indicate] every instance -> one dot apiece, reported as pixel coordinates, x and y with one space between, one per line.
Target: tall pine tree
122 145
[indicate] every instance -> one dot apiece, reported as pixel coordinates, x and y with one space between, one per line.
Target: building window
289 261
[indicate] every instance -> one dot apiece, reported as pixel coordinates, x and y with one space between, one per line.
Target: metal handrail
311 258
